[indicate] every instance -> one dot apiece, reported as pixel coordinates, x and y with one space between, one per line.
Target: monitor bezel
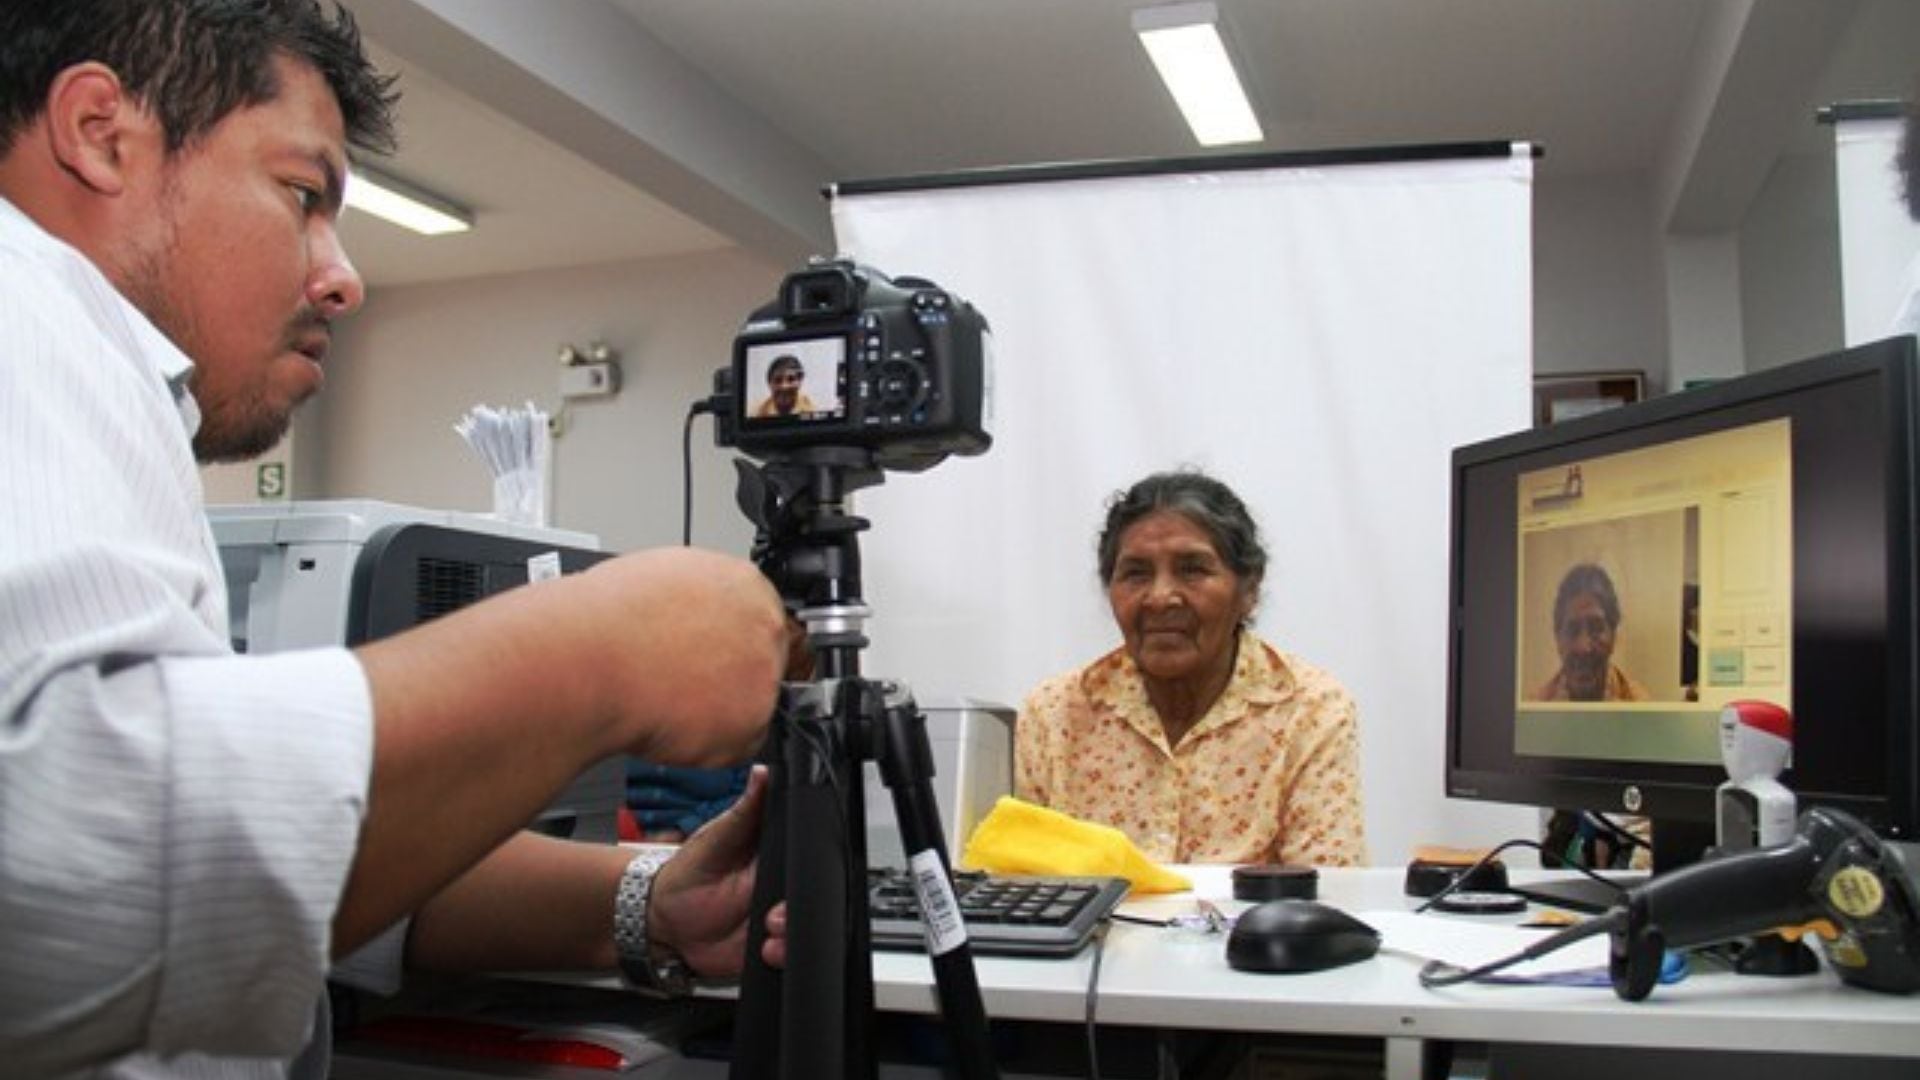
1686 793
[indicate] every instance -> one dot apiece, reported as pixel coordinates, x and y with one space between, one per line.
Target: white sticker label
543 567
939 909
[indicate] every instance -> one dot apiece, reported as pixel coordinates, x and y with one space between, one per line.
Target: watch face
672 976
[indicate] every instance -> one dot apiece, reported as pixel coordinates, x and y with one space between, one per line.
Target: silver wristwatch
653 969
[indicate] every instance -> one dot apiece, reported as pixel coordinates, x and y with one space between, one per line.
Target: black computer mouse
1298 935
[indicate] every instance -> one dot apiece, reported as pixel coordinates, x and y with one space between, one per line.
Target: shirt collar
1261 678
175 370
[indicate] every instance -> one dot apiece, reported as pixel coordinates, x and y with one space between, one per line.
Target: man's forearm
481 716
476 727
535 903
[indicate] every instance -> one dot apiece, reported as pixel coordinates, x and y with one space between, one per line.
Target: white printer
342 572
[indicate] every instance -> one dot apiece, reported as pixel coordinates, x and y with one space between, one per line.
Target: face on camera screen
798 380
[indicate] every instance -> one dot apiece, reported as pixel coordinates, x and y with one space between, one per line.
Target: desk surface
1161 978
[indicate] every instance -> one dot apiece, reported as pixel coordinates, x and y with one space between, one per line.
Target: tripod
812 1020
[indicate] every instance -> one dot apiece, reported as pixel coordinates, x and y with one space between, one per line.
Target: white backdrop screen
1319 338
1878 240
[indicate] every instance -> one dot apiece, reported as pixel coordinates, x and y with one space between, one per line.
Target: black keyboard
1005 916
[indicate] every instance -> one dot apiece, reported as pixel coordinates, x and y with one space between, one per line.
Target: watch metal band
657 970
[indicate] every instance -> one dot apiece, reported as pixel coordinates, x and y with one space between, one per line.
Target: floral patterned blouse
1269 775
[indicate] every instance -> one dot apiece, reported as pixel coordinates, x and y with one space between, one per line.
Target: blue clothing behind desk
666 799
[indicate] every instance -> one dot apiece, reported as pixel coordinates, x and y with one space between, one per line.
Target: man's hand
691 647
701 901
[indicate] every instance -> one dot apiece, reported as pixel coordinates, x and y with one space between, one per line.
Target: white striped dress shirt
176 822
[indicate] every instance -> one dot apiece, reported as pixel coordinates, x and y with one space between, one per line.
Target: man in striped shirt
189 837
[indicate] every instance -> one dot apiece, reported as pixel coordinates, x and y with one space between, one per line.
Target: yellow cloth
1021 838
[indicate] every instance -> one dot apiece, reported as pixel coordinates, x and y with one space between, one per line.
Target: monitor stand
1582 894
1675 844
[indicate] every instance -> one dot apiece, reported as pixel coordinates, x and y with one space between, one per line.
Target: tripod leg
801 1023
756 1019
816 1003
906 764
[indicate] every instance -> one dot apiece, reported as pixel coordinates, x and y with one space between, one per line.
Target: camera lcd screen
797 381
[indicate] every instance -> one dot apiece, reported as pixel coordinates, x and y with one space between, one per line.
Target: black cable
1614 829
1461 878
1093 998
1438 973
686 470
1141 921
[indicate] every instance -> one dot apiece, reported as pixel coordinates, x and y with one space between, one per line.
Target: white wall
1599 280
417 358
1790 264
251 481
1703 308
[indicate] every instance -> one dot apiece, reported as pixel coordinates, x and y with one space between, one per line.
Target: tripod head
807 544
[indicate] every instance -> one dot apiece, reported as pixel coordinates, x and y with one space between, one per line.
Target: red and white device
1756 744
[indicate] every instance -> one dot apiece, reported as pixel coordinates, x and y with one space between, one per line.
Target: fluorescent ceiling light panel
403 204
1187 49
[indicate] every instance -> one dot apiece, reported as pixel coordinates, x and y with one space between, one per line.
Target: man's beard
234 425
237 432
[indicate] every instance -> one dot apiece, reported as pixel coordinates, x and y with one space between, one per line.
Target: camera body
845 357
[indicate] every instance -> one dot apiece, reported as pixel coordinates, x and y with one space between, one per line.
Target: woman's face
1175 598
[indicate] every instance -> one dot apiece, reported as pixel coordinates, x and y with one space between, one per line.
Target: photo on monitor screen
1656 585
796 381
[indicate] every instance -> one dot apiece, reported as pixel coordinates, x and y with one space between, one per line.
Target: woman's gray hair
1587 579
1199 498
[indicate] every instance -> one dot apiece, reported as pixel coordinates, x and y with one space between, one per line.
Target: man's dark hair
786 362
1587 579
190 62
1200 499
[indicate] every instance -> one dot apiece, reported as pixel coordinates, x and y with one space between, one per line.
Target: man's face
785 384
786 387
243 269
1585 639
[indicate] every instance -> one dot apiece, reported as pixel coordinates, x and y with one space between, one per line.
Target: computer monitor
1617 579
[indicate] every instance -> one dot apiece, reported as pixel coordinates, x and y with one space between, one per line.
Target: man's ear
93 126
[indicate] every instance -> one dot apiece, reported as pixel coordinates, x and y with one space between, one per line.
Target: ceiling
588 131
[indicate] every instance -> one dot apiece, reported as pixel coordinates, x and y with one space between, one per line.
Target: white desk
1151 977
1156 978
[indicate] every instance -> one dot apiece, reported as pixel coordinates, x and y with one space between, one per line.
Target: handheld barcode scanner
1833 868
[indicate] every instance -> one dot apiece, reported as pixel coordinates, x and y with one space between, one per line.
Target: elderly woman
1586 624
1201 742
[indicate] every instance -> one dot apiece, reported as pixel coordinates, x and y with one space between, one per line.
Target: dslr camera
846 357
